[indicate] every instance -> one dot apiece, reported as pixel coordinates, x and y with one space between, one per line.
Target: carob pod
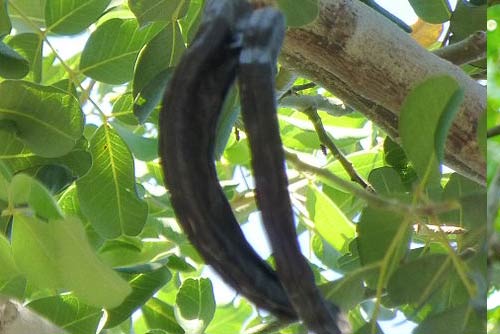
187 125
262 41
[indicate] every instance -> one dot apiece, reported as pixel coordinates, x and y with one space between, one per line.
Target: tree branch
493 132
372 65
327 141
466 51
369 197
303 102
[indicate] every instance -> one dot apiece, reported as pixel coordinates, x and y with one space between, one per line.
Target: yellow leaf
426 34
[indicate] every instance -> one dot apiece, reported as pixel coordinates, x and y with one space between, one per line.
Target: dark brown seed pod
188 120
261 44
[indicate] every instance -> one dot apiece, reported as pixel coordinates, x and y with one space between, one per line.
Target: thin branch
267 328
369 197
303 102
469 50
284 82
480 75
299 88
494 131
328 142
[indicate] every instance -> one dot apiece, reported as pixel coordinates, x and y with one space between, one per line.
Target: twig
469 50
328 142
299 88
369 197
480 75
267 328
303 102
494 131
284 82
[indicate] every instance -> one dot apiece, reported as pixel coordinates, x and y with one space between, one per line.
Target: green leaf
299 139
5 178
394 154
15 287
238 152
432 11
299 12
57 255
179 264
382 236
112 49
143 148
191 21
152 69
410 284
54 177
144 286
107 193
5 25
12 64
47 120
466 20
386 182
18 158
151 94
29 46
76 163
195 305
363 162
421 114
19 10
35 252
458 320
472 198
118 254
71 17
230 319
446 120
26 190
81 269
329 220
68 313
123 109
68 202
225 123
324 251
472 214
8 270
346 292
148 11
159 314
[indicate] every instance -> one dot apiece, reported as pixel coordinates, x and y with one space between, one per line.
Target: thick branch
372 65
469 50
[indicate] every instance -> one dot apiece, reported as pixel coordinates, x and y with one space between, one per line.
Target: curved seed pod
188 120
261 44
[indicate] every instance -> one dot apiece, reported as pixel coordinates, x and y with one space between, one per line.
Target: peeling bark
372 65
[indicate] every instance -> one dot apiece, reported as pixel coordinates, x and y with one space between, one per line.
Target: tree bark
372 65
